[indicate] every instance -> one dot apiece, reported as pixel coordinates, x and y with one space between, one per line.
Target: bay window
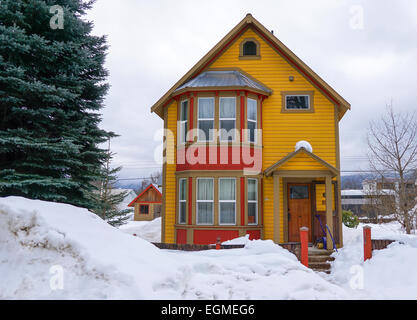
205 119
227 201
252 110
182 206
227 118
252 201
205 199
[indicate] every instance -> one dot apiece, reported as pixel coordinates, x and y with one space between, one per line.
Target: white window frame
205 119
220 119
183 139
251 120
182 200
197 201
226 201
253 201
298 95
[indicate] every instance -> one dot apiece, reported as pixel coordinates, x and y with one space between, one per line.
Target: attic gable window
297 102
301 101
249 49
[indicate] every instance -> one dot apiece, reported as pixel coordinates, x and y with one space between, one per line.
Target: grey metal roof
231 78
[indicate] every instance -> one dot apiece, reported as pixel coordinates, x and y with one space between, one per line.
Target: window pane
183 131
206 130
205 189
205 212
297 102
227 130
227 189
206 108
252 216
252 190
252 109
227 107
299 192
144 209
249 48
227 212
184 110
251 128
183 189
183 206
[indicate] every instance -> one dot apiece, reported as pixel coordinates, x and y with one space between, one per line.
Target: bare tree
154 178
392 143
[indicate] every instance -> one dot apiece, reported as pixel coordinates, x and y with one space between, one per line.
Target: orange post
218 245
304 245
367 243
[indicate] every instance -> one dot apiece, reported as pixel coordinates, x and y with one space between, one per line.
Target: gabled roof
143 192
219 79
220 47
291 155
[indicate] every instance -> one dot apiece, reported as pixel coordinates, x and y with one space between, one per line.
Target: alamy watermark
56 282
356 20
57 20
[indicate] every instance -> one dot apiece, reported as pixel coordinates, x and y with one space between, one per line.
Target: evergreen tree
108 199
52 85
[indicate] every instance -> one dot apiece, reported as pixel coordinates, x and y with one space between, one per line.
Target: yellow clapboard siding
281 131
170 183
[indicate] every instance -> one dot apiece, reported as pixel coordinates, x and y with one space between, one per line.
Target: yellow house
251 145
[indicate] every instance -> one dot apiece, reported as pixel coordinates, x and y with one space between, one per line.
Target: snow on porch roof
232 78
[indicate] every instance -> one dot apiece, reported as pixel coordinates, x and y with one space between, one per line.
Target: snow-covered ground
42 241
148 230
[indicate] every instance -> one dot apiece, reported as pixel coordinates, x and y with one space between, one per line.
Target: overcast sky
153 43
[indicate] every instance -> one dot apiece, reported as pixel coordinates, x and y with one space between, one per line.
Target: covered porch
302 182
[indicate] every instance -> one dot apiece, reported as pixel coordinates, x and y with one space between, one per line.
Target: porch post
276 208
329 212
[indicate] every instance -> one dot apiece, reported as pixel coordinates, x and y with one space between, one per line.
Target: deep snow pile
148 230
99 261
390 274
102 262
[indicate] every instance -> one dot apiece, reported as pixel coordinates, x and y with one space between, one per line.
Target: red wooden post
304 245
367 243
218 243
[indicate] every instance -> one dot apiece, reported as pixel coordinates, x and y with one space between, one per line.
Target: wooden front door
299 210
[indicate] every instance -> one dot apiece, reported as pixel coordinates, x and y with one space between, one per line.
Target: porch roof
331 170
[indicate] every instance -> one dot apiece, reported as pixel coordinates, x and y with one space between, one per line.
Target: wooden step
320 258
322 270
319 265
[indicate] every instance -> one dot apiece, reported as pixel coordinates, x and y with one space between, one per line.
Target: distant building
359 201
147 204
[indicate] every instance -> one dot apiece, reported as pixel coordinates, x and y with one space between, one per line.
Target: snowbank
102 262
390 274
99 261
148 230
